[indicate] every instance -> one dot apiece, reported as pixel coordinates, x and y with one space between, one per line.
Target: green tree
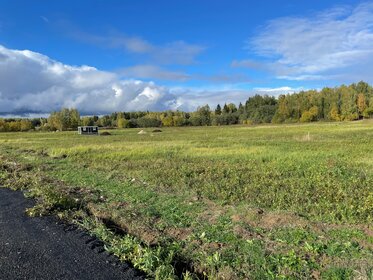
361 103
74 118
231 108
168 121
349 109
14 126
225 108
241 108
310 115
218 110
121 122
25 125
4 127
64 119
204 115
334 114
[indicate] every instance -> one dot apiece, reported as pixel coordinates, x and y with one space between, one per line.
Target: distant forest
344 103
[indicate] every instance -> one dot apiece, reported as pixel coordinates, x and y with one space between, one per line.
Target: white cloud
178 52
175 52
148 71
132 44
248 63
33 84
278 91
336 44
190 99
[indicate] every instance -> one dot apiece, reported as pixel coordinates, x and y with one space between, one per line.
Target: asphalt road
45 248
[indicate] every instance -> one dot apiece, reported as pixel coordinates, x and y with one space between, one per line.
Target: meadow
230 202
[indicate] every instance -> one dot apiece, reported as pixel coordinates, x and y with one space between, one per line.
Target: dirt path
44 248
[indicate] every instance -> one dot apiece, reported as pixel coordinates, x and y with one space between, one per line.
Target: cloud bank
335 44
32 83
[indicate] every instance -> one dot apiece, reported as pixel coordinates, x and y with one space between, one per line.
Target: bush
148 122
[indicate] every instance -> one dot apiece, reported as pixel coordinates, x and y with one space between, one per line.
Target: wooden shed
88 130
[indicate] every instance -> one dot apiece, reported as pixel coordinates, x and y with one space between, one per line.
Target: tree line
347 103
344 103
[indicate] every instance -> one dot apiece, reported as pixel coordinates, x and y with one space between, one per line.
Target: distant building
88 130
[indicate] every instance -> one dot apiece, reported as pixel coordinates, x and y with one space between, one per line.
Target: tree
64 119
368 112
361 103
25 125
259 109
87 121
121 122
14 126
74 118
218 110
54 121
179 120
225 108
204 115
241 108
310 115
105 121
168 121
4 127
349 109
362 87
148 122
232 108
334 114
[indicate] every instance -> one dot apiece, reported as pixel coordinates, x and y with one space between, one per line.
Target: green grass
237 202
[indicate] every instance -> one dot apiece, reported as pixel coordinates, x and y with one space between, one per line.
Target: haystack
105 133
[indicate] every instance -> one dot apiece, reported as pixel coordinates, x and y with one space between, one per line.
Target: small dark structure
88 130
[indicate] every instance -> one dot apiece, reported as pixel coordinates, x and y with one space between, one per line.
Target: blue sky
176 54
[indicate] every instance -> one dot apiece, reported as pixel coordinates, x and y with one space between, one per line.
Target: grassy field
237 202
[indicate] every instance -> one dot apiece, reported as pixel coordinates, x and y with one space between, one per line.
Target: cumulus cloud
334 44
33 84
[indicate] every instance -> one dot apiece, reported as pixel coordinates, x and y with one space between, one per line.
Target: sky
104 56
